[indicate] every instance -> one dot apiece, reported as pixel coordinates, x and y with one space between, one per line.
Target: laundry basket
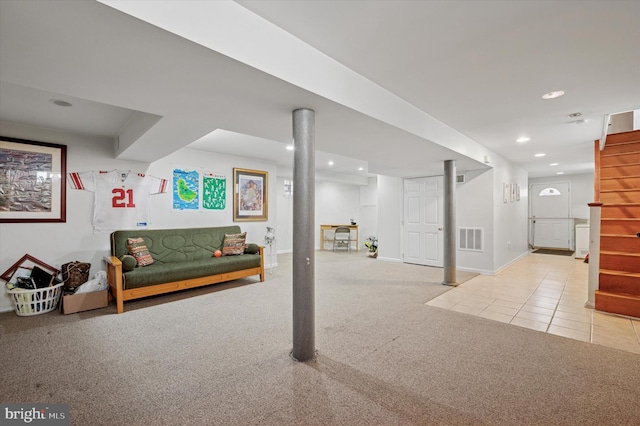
35 302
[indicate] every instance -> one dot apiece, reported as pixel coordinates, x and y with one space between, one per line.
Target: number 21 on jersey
122 198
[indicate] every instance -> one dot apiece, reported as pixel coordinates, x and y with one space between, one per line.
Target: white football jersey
121 199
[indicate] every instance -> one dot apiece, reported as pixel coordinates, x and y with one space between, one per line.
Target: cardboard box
70 304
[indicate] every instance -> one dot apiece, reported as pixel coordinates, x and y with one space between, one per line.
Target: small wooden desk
353 228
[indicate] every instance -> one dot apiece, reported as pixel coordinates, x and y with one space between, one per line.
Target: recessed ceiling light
574 115
523 139
360 168
554 164
541 154
289 147
553 95
60 102
560 173
331 163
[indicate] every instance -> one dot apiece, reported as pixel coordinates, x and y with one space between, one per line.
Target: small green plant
371 243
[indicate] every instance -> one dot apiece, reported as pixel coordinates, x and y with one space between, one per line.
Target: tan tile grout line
564 286
554 309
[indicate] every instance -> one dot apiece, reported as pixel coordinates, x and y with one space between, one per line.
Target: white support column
595 213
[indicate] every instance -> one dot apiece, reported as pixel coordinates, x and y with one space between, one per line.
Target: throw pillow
128 262
233 244
252 249
139 250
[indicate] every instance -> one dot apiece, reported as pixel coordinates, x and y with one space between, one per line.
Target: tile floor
545 293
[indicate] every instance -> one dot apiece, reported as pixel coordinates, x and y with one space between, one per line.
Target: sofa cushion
170 272
174 245
234 244
138 249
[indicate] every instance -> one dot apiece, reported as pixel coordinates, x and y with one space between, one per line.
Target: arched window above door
549 192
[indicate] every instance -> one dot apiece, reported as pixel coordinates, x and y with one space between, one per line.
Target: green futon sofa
182 259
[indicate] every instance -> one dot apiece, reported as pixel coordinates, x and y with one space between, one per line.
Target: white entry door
550 219
423 221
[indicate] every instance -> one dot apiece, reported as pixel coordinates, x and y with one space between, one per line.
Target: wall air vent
460 178
471 239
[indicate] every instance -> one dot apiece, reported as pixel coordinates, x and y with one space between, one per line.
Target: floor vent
471 239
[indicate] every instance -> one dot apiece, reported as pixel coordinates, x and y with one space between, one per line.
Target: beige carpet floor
220 356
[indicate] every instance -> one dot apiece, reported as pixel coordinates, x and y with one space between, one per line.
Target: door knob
439 229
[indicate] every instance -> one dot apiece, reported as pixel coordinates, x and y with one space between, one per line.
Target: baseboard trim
475 270
497 271
390 259
505 266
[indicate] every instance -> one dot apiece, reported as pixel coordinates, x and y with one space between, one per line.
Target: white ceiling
478 67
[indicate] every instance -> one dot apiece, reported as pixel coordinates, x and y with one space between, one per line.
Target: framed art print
250 195
32 181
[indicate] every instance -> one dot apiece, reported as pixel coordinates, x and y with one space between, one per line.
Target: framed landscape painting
250 195
32 181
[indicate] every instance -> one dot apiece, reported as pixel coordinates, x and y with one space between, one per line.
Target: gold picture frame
250 195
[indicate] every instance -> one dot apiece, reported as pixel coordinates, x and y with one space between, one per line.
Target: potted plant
371 243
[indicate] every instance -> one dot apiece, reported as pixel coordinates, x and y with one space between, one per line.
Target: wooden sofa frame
114 279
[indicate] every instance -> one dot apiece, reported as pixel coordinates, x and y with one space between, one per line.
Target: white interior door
423 221
550 215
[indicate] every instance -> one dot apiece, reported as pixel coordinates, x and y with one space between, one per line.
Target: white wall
336 204
479 203
284 213
165 217
390 211
368 220
474 209
510 219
